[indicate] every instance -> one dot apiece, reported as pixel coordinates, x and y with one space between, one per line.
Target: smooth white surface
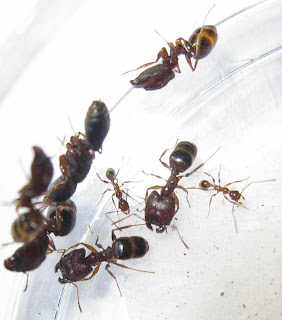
74 53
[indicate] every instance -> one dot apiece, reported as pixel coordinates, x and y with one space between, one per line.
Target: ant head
205 184
235 195
111 174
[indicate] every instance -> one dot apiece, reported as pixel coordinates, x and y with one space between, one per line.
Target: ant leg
271 180
105 181
26 282
174 227
124 227
210 204
113 276
165 151
123 266
186 191
155 188
77 294
188 57
199 166
154 175
213 180
98 244
234 218
237 181
176 203
132 214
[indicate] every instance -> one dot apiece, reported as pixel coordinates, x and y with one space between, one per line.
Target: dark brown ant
76 266
233 196
161 208
62 218
41 175
29 256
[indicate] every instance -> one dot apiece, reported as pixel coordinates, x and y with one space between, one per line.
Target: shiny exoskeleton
161 208
29 256
41 175
60 190
154 78
199 45
97 124
27 226
61 218
76 266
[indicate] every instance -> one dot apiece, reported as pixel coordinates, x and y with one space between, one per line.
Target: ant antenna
71 125
208 14
160 36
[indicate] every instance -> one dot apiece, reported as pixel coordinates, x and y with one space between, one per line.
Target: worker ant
233 196
76 266
161 207
200 44
119 193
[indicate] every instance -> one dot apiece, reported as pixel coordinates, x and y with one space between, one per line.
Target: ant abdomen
130 247
29 256
205 184
60 190
27 226
235 195
97 124
203 41
182 156
154 78
62 217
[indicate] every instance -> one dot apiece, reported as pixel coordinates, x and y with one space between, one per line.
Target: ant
199 45
161 207
30 255
76 266
119 193
77 161
41 175
233 196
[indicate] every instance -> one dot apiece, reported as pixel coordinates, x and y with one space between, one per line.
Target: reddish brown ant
119 193
199 45
75 266
233 196
41 175
30 255
161 208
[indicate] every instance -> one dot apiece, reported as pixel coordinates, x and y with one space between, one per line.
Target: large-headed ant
199 45
233 196
161 207
76 266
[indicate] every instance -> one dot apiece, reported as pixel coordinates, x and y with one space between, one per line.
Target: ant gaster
161 207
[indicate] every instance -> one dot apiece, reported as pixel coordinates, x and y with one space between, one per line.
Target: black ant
233 196
161 207
199 45
76 266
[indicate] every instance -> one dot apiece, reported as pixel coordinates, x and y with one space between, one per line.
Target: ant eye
111 174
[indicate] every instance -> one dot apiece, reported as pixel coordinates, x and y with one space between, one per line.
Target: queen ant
76 266
161 207
233 196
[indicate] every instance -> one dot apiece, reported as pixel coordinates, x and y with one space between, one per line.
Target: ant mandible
161 208
76 266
